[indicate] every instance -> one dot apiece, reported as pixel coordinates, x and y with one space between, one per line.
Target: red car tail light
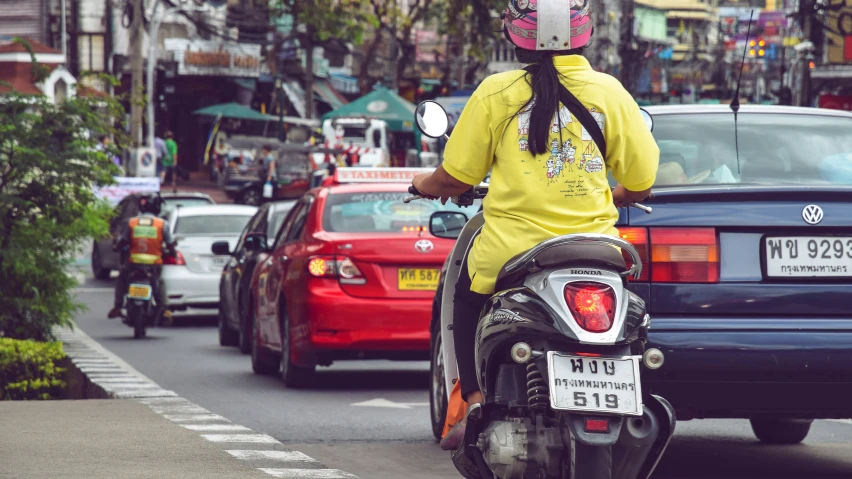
176 259
684 255
592 305
638 237
334 267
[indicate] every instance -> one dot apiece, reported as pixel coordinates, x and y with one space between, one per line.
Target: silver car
192 276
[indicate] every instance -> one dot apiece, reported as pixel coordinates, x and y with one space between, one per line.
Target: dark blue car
748 275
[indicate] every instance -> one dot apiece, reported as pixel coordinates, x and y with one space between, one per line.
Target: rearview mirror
221 248
256 242
432 119
648 119
447 224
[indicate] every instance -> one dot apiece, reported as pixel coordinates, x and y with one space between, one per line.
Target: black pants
466 308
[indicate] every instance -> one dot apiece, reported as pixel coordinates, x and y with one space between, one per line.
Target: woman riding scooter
549 175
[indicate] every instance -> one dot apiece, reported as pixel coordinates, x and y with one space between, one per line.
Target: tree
471 30
318 22
49 167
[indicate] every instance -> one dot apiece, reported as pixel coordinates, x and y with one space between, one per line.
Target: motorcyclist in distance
549 178
145 235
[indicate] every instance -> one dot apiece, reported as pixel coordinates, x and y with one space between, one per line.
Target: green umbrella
381 104
233 110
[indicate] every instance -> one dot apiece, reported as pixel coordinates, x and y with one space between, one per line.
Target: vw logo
812 214
423 246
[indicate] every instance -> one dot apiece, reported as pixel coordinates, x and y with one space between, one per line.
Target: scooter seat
575 254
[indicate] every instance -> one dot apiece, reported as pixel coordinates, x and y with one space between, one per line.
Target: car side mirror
447 224
256 242
221 248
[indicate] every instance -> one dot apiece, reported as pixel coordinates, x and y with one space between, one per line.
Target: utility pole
135 52
309 73
807 12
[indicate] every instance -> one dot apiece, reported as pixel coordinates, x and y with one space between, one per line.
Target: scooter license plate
139 291
599 384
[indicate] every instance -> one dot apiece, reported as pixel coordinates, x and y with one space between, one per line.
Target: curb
97 373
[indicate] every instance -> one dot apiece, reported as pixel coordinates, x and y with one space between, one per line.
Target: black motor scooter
560 351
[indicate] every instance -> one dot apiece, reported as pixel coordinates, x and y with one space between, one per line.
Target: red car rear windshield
381 212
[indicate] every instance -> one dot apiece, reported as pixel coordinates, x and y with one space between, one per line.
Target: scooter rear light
592 305
177 259
597 425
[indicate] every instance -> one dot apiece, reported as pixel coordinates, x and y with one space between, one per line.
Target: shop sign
212 58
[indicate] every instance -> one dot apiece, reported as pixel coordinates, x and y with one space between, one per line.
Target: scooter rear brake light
177 259
592 305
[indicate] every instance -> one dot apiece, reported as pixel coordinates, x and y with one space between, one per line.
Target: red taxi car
350 275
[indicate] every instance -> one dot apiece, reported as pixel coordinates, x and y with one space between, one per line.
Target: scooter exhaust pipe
638 435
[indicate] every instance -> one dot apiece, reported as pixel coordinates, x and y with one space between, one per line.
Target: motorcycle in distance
560 350
140 301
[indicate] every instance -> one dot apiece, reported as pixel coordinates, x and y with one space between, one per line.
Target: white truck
365 136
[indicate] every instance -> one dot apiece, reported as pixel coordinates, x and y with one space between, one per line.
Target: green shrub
30 370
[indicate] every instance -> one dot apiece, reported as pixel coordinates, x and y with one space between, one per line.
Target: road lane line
245 438
308 473
195 417
282 456
188 409
217 427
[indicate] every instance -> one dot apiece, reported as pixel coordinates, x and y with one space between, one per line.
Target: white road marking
144 393
283 456
381 402
844 421
91 290
308 473
246 438
194 417
123 379
216 427
188 409
164 401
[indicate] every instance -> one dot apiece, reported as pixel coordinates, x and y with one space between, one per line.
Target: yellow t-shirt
534 198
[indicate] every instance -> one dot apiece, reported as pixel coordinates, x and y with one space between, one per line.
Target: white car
192 276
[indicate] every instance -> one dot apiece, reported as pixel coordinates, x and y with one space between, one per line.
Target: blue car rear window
774 149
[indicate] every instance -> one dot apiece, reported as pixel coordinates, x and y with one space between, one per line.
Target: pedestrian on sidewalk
170 160
162 152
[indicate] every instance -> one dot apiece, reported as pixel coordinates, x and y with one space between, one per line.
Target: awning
344 83
381 104
296 95
325 92
231 110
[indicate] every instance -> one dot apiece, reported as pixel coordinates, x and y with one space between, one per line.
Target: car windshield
211 224
382 212
774 149
169 204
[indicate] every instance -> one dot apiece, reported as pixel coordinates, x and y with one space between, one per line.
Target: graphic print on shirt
600 118
524 128
568 151
561 119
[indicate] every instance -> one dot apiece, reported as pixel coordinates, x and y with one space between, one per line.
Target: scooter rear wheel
137 319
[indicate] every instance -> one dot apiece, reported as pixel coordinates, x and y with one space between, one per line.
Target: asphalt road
395 442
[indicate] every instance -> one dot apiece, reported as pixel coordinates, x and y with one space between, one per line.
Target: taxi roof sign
377 175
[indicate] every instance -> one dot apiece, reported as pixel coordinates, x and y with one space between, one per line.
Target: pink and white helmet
548 24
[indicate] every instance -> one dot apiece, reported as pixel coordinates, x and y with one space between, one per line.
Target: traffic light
761 52
751 51
761 43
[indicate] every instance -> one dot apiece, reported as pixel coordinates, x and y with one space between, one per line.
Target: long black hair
544 79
